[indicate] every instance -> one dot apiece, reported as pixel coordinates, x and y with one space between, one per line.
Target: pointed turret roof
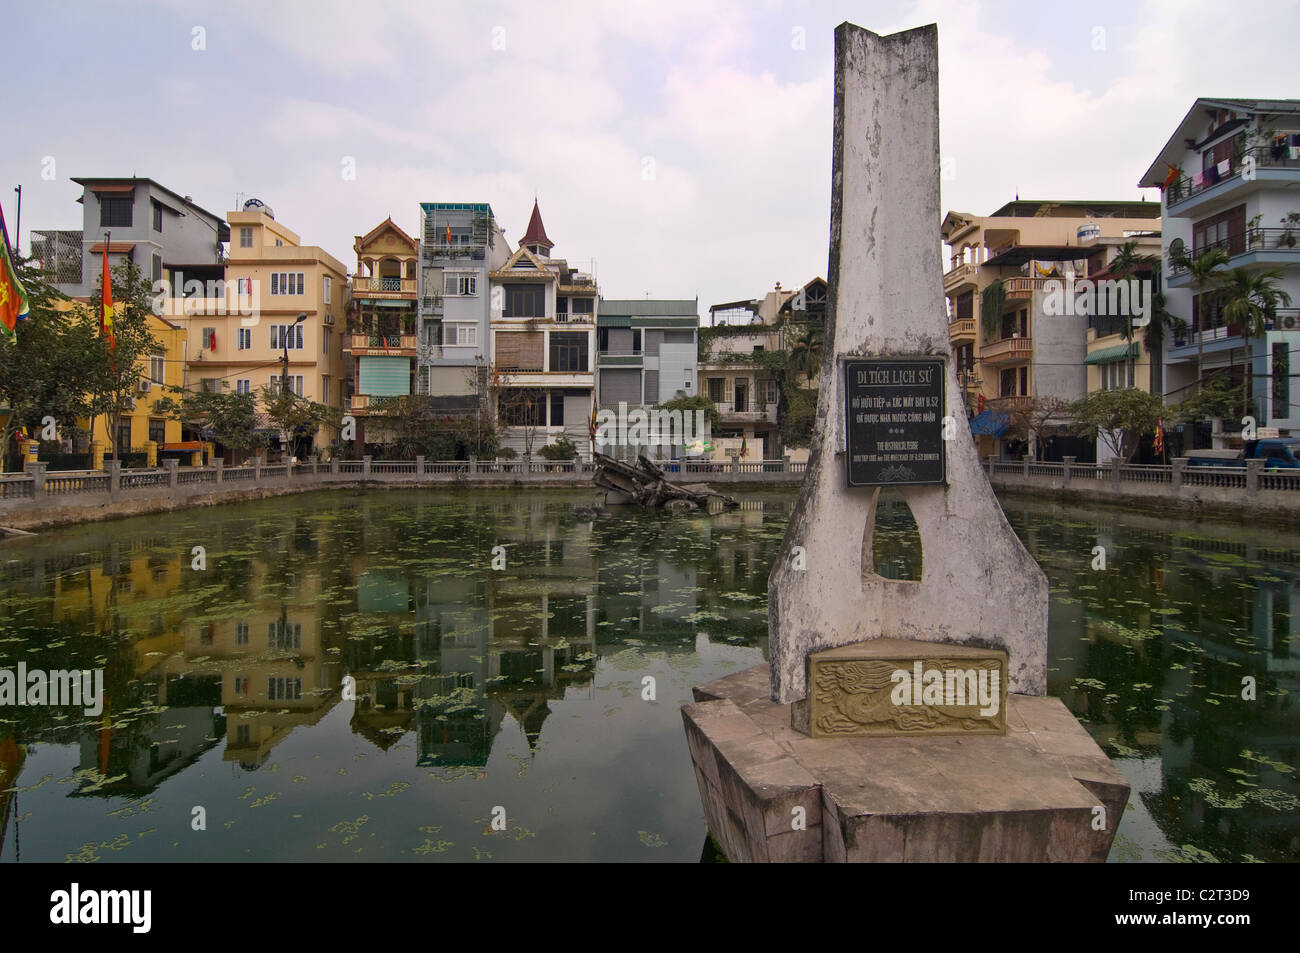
536 234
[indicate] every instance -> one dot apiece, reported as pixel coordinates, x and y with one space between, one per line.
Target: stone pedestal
1043 791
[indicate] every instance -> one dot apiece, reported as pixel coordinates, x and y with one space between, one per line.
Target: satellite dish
258 205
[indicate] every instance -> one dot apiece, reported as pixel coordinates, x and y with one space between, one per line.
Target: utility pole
18 222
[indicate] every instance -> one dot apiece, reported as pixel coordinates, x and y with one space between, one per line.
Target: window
245 236
286 336
523 408
283 689
209 339
115 211
284 635
243 386
325 289
241 633
157 268
245 337
324 389
569 351
1281 380
123 444
769 392
157 217
459 284
1226 230
244 286
715 387
286 282
295 384
157 368
158 431
557 408
464 335
525 301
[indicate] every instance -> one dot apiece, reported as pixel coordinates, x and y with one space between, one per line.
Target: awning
183 445
1107 355
114 248
989 423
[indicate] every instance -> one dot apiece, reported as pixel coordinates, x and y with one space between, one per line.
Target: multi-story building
646 353
1229 175
151 225
460 244
382 324
1009 341
284 280
543 375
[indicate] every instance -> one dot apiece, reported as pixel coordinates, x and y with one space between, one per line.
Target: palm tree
1153 336
806 350
1126 262
1201 270
1250 300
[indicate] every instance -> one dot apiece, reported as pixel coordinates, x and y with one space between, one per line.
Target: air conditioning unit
1289 322
145 384
329 319
130 403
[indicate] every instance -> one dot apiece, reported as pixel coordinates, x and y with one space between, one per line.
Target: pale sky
571 101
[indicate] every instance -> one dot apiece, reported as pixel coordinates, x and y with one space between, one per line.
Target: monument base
1043 791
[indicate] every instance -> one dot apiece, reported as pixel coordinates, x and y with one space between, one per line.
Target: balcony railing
958 274
574 317
752 411
1007 405
1265 157
384 285
1007 351
1285 241
1025 287
473 252
366 340
961 328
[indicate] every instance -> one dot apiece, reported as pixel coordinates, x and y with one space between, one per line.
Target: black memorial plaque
894 409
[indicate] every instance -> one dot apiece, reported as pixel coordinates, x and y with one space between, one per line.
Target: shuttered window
519 350
622 384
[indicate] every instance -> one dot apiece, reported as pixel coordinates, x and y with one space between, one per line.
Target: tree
46 371
115 380
296 415
229 419
420 427
1128 262
1118 418
1033 421
806 350
1217 399
1250 300
1153 336
1201 269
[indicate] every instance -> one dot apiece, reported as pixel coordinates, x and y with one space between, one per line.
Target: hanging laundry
1198 180
1224 168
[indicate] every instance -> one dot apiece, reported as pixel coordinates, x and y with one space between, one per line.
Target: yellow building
238 333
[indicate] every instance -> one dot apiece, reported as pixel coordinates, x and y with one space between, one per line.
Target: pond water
503 713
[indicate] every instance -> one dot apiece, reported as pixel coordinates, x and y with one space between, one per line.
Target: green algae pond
477 675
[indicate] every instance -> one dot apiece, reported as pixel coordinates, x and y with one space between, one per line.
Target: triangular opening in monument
895 539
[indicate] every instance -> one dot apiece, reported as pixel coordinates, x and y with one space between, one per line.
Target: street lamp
284 374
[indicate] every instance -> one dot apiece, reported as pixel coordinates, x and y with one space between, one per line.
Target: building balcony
1007 351
961 329
384 288
367 344
1255 246
442 252
1014 288
1009 405
748 412
574 317
959 275
1272 168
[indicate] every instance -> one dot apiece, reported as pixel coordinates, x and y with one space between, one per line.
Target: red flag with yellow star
106 308
13 296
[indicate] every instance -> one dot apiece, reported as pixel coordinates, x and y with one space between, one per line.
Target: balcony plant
1290 222
991 301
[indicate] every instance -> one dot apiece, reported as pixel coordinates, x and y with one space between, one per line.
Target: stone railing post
993 458
1115 463
37 470
419 466
1176 473
170 466
365 465
1069 465
785 463
219 465
257 469
1026 463
334 466
1253 470
114 468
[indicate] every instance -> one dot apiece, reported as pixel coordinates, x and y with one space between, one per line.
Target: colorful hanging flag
979 404
594 428
13 296
744 445
449 234
1170 178
106 307
1159 444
